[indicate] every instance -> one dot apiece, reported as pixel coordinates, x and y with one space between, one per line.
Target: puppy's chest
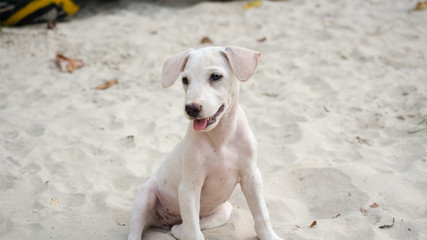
224 160
222 171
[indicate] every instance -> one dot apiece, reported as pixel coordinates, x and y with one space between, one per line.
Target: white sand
339 87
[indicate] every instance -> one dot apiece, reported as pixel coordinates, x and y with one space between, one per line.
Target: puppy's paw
177 232
134 237
273 237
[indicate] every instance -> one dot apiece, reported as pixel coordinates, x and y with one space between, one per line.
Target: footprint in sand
328 191
33 168
7 181
124 182
285 134
119 144
5 225
36 130
75 200
16 147
70 161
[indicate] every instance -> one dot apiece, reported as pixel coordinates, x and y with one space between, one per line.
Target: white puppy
189 192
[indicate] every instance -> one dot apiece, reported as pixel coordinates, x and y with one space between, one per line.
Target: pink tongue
200 124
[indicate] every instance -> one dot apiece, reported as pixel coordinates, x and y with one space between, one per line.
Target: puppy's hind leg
217 218
143 209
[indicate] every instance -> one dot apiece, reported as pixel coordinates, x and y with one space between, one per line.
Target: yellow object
68 6
420 6
256 3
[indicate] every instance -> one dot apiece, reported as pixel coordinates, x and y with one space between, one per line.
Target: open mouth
200 124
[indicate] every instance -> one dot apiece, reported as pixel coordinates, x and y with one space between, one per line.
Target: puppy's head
210 77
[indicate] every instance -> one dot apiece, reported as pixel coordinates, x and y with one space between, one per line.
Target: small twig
387 226
107 84
314 223
424 121
120 224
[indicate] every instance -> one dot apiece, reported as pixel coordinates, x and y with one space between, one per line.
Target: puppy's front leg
252 188
189 204
189 191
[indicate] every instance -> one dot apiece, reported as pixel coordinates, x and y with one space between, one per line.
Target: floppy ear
173 67
243 61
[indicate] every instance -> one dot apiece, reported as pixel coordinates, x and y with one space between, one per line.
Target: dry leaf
255 3
206 40
107 84
69 63
420 6
263 39
54 201
314 223
339 214
374 205
362 209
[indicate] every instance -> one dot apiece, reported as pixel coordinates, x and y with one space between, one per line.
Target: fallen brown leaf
420 6
374 205
106 85
362 209
54 201
263 39
206 40
314 223
339 214
69 63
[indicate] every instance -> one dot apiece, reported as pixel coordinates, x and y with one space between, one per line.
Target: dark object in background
51 25
21 12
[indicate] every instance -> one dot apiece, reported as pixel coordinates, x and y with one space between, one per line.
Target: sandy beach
337 107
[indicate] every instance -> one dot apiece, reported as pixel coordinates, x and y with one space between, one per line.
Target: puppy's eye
185 81
215 77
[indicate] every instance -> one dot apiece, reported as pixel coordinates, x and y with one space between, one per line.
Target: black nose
193 109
